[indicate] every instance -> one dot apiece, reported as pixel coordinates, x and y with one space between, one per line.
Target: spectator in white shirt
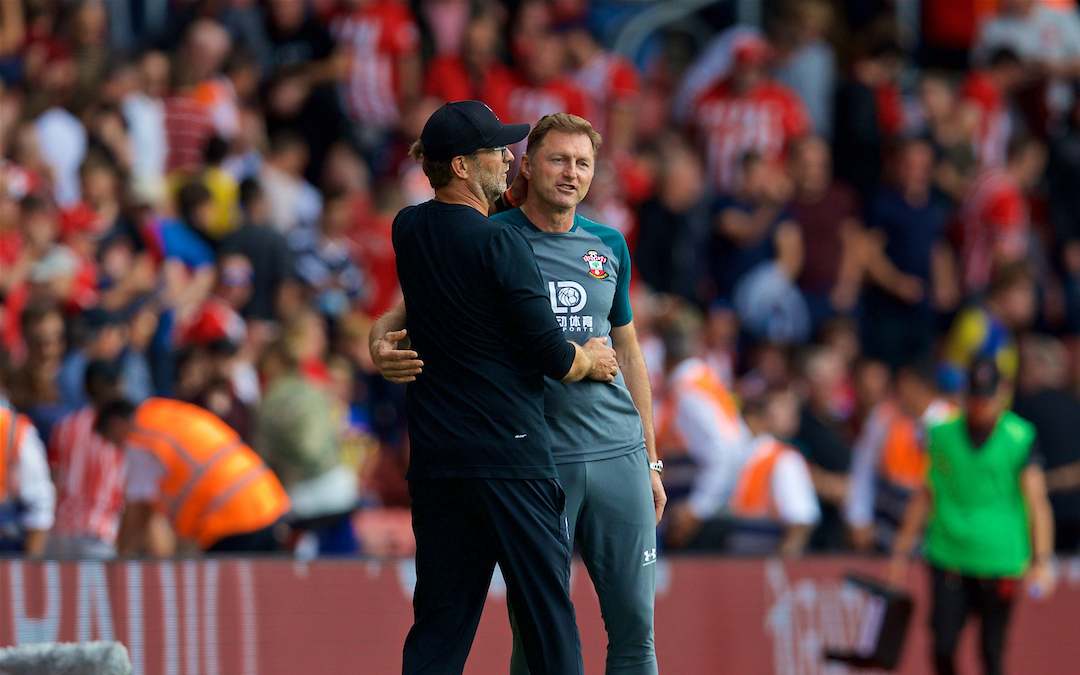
144 111
293 201
1048 40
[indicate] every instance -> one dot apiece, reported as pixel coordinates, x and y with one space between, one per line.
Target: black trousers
955 597
463 526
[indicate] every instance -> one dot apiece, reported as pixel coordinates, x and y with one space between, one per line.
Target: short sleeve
793 490
621 313
1035 456
144 472
183 245
36 491
528 310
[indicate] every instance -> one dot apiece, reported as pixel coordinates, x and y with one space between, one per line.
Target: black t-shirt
311 42
823 445
1056 416
271 263
483 325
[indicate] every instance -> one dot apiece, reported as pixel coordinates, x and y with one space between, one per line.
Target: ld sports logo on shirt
567 299
596 264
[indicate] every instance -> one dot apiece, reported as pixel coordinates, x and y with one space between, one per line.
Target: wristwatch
657 466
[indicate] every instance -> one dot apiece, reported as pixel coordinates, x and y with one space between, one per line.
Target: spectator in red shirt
477 73
994 217
984 106
88 471
385 73
612 84
543 86
828 211
747 111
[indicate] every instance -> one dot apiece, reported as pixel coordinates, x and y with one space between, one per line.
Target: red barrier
276 617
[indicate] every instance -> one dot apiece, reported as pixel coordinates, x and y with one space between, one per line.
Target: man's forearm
1033 485
636 373
1063 478
393 320
580 368
131 539
1042 530
911 526
34 542
795 539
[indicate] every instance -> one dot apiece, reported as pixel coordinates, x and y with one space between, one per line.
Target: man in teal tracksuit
601 433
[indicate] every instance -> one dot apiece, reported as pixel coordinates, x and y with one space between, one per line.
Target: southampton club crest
596 264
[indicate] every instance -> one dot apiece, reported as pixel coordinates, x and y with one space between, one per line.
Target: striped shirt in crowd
89 475
188 128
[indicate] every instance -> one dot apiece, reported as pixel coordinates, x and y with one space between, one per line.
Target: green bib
978 525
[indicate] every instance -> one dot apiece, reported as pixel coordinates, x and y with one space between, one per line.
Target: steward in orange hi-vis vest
213 486
773 493
889 463
701 438
12 432
27 496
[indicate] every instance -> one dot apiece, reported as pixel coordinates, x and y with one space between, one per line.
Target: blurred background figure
773 505
820 435
889 460
299 438
1044 400
699 434
987 520
746 112
88 471
908 260
27 495
829 215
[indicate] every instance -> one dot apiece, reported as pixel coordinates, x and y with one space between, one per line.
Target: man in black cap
988 520
481 474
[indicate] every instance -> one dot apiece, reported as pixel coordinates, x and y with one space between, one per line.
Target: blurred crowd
833 214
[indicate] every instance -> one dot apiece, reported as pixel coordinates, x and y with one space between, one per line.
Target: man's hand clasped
604 364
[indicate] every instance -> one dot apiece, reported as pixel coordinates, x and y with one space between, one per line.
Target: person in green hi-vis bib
988 521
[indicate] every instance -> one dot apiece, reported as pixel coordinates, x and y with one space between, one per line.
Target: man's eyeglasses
501 149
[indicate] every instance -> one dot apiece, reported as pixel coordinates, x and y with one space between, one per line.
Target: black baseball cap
462 127
983 378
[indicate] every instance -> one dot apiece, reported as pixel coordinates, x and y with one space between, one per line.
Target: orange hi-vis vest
214 485
752 497
13 428
904 462
702 380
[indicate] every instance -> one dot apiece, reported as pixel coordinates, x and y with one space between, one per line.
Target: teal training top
587 275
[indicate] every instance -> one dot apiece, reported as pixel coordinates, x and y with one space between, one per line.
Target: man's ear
460 166
526 166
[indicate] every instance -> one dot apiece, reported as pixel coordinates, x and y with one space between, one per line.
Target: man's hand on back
396 365
604 364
